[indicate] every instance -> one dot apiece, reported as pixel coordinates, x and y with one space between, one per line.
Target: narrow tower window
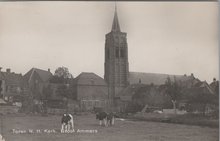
117 53
122 54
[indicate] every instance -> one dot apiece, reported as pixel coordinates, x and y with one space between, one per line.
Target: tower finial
115 6
115 25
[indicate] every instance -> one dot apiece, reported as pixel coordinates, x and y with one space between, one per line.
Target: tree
63 72
61 75
173 89
63 91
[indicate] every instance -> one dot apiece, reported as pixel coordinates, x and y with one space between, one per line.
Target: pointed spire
115 7
115 24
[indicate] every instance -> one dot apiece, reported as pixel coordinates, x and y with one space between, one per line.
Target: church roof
89 78
115 24
155 78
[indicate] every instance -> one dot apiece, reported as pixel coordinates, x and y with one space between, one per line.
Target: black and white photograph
109 71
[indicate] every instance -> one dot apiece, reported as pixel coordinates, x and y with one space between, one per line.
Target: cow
102 117
106 118
1 138
110 119
67 123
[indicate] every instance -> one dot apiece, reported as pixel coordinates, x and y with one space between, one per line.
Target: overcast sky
163 37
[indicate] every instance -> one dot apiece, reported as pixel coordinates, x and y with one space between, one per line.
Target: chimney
0 69
214 79
192 74
8 70
48 69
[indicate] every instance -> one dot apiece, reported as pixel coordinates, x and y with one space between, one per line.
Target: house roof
89 78
44 75
205 85
11 78
155 78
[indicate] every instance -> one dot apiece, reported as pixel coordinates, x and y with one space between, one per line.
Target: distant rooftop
11 78
43 74
155 78
89 78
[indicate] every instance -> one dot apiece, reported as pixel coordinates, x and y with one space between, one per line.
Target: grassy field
187 119
123 130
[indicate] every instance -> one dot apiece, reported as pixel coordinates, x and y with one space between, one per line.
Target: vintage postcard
109 71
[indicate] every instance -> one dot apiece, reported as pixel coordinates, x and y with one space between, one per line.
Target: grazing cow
1 138
67 122
110 119
102 116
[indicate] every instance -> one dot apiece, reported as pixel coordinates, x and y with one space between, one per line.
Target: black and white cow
102 117
67 123
1 138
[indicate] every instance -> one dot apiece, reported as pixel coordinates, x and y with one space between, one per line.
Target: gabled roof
155 78
44 75
89 78
205 85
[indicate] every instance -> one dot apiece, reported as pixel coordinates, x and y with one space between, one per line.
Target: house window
6 88
92 81
18 89
97 103
90 103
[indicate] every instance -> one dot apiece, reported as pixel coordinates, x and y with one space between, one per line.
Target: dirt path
48 129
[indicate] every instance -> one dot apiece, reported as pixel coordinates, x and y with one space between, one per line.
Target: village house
91 90
36 80
199 97
13 86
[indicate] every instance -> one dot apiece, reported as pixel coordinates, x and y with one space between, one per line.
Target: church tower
116 59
